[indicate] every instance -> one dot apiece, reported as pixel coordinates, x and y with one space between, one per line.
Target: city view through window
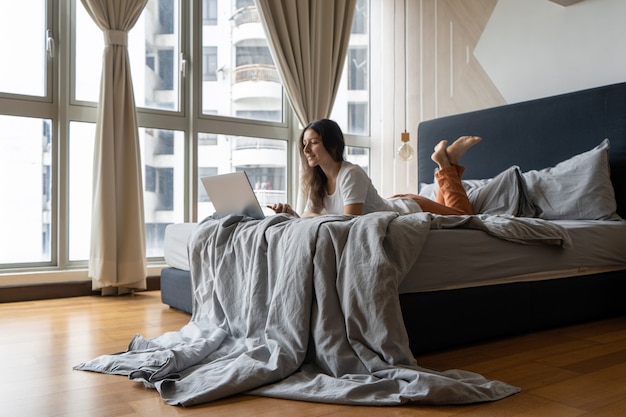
238 80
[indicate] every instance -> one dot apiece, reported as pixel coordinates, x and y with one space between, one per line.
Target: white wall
537 48
465 55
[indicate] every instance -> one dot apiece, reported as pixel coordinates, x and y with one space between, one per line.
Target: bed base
176 289
440 320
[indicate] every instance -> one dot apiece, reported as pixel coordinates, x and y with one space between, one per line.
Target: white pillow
578 188
429 190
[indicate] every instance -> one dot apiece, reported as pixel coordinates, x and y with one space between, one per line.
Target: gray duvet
308 309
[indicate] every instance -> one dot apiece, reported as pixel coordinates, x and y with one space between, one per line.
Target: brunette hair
313 178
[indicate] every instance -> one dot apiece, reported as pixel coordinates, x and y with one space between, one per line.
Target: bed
335 308
523 288
533 135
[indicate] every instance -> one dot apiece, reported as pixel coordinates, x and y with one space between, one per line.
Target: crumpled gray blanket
307 309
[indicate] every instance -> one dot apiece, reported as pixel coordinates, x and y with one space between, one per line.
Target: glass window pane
239 75
26 186
163 157
163 160
359 156
264 160
357 71
209 63
209 12
88 64
358 118
361 17
23 69
81 143
351 108
153 47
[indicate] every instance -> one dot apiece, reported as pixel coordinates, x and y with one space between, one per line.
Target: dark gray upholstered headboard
536 134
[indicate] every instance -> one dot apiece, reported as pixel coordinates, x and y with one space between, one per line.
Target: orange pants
451 196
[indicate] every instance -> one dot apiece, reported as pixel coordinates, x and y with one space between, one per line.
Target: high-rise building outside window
242 124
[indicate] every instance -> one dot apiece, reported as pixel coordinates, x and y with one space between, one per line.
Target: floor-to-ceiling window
208 102
28 118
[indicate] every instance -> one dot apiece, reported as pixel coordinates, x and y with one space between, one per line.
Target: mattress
460 258
175 244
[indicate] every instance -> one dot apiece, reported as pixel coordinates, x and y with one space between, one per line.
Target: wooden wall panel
441 38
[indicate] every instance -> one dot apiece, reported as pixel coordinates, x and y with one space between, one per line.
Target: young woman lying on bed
336 186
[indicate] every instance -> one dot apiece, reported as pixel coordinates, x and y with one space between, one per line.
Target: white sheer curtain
309 41
117 263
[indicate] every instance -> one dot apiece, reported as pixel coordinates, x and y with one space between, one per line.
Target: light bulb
405 152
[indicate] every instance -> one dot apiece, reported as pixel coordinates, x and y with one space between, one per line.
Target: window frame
62 108
41 107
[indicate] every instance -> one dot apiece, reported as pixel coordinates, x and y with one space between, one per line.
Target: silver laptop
232 194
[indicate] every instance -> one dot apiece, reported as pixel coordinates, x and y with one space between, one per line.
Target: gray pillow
578 188
503 194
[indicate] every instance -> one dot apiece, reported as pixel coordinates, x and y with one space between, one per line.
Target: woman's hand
283 208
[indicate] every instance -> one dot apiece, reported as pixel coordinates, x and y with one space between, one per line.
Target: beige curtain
309 41
117 263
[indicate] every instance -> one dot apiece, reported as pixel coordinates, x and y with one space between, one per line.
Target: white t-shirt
355 187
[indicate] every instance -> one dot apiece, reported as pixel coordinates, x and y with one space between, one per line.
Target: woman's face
314 150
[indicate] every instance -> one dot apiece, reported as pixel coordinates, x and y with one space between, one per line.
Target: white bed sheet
458 258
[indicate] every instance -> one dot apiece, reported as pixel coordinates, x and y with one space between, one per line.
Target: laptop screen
232 194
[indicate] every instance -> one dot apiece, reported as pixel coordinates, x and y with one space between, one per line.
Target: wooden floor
574 371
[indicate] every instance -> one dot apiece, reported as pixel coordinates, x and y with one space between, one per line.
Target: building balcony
248 14
256 72
269 197
247 26
256 81
257 157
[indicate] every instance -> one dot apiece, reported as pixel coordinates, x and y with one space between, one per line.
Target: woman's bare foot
440 155
459 147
